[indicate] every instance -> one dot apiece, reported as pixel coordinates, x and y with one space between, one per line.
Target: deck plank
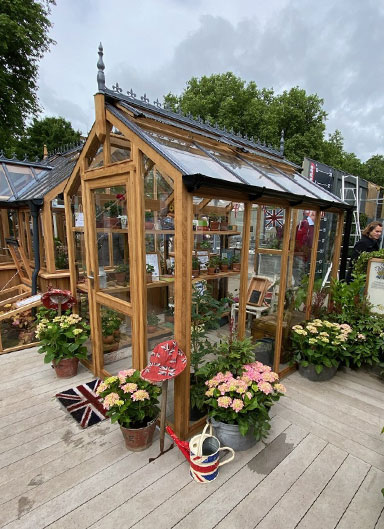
322 466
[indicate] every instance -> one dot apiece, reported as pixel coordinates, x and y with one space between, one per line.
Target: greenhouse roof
23 180
243 165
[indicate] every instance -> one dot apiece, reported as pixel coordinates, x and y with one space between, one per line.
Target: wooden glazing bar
48 237
115 169
114 303
244 269
135 210
183 301
70 244
312 270
282 287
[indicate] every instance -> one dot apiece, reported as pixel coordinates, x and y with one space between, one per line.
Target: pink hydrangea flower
270 376
103 386
140 394
265 387
124 374
130 387
224 402
110 400
280 388
223 388
237 405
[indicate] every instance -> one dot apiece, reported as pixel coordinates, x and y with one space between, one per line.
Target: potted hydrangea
319 347
62 341
131 401
239 404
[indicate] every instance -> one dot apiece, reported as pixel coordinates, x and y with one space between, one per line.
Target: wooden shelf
216 232
209 277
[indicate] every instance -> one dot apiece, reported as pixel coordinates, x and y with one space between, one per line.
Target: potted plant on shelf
62 341
214 222
121 273
110 327
132 402
223 223
169 315
319 346
213 263
224 263
195 266
235 262
240 394
149 220
112 210
149 271
205 245
152 322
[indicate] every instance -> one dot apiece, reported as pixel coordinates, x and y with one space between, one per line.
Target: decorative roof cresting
100 70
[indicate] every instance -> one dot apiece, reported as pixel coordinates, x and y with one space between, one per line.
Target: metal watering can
202 452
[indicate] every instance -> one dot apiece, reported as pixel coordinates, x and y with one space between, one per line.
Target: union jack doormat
83 403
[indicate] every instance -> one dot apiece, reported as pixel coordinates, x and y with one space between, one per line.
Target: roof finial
100 70
282 142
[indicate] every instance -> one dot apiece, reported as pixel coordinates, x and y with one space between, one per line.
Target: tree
24 27
375 169
52 132
257 112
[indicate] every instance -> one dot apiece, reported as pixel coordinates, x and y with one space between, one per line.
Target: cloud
329 48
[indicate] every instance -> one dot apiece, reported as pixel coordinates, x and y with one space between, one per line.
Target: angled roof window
19 176
5 191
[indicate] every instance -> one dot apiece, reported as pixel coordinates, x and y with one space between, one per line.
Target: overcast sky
333 48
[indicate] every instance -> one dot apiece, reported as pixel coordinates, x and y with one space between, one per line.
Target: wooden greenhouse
33 253
152 192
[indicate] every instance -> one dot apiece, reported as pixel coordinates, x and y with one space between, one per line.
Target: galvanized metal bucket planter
229 435
310 373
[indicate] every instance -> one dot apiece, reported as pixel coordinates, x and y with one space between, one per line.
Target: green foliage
24 28
206 315
224 261
122 268
149 269
361 265
152 319
112 208
61 255
320 343
375 169
52 132
110 321
62 337
130 400
195 263
350 305
214 261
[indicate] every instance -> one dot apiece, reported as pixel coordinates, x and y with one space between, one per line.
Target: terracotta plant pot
120 277
66 368
149 225
236 267
214 225
195 273
224 268
224 226
151 329
149 278
108 339
138 439
211 271
168 318
112 222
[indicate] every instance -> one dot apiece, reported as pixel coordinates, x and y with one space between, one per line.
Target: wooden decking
321 467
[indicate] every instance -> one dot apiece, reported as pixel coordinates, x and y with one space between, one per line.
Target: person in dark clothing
369 242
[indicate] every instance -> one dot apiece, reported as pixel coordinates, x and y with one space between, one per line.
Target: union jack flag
273 218
83 403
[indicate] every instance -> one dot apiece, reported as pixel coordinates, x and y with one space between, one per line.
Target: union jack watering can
202 453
